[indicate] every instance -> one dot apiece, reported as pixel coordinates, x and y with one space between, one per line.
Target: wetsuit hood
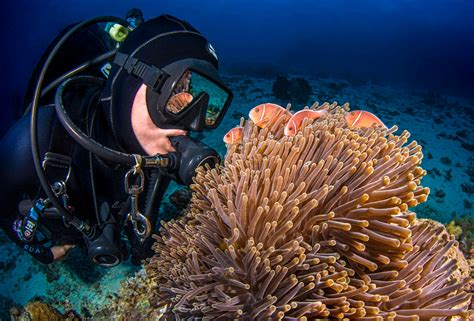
158 42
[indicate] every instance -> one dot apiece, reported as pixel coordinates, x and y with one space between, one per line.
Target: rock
181 198
439 193
462 133
434 171
7 307
467 188
467 146
337 86
445 160
7 266
467 204
27 276
448 175
296 90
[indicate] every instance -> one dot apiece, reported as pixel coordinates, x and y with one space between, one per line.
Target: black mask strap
152 76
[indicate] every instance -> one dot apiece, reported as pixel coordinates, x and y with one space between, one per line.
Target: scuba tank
98 42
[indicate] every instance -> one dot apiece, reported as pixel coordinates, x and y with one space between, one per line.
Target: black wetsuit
20 182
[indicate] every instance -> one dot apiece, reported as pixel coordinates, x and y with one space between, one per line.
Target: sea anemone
315 225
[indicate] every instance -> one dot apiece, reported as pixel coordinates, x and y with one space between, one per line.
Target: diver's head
174 68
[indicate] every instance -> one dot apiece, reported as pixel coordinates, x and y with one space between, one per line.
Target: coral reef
300 90
38 311
5 304
454 229
41 308
331 89
464 225
135 302
280 88
468 188
312 226
295 89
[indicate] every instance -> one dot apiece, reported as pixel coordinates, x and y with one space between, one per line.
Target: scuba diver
90 166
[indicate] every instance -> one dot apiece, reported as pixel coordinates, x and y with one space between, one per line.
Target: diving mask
186 94
192 98
189 92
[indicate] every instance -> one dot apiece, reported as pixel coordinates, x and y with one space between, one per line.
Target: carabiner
140 184
141 226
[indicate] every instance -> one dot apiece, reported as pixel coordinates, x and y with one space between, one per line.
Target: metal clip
59 188
141 224
138 164
139 186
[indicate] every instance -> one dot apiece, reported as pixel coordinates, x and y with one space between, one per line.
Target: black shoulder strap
57 160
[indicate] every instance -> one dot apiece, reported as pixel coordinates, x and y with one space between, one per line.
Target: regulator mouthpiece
190 155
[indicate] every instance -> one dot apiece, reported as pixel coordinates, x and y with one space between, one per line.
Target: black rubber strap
152 76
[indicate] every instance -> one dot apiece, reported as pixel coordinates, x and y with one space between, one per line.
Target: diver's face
154 140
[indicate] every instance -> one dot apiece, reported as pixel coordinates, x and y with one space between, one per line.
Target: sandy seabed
442 125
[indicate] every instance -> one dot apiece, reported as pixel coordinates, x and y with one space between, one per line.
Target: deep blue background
425 45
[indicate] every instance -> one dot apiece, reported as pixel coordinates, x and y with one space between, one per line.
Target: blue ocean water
416 44
410 62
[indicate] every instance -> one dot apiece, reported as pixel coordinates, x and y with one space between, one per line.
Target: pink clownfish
296 120
234 136
362 119
262 114
179 101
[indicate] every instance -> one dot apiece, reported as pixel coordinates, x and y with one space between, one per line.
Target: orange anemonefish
234 136
361 119
264 113
296 120
179 101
